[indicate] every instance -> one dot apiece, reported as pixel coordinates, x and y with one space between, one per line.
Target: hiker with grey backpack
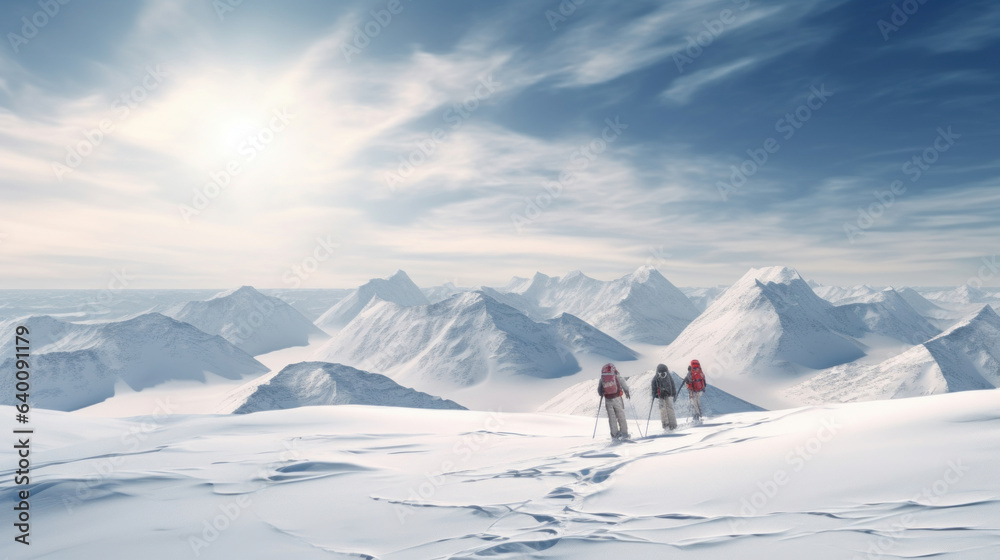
665 390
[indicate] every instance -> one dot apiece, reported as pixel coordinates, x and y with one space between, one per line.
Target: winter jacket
663 387
621 383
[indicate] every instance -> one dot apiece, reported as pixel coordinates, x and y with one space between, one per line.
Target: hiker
665 390
612 387
695 382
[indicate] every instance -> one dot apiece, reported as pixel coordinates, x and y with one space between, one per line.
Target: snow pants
696 403
667 415
616 416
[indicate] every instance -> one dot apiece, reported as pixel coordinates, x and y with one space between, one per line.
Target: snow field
890 479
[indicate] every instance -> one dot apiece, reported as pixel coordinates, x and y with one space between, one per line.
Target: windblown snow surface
254 322
78 365
397 288
964 358
321 383
911 478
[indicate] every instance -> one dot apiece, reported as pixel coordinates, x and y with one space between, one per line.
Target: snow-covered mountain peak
536 287
986 316
254 322
398 288
240 293
645 273
773 275
399 276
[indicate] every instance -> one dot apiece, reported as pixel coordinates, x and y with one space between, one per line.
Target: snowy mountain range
254 322
966 357
322 383
77 365
398 289
642 307
768 335
462 341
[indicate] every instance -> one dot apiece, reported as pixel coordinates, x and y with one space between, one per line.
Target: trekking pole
598 417
650 415
638 426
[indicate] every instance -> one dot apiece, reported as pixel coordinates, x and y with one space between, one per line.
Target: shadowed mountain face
83 363
320 383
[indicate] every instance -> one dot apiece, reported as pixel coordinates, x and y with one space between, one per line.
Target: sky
218 143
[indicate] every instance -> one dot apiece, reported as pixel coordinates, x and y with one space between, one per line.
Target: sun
234 132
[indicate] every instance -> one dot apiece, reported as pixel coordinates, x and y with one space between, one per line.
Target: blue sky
198 144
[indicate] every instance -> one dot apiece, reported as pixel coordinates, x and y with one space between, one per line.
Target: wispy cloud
973 26
684 88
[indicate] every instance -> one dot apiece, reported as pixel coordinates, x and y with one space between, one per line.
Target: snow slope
582 399
83 366
581 338
899 479
254 322
966 357
397 288
921 304
642 307
322 383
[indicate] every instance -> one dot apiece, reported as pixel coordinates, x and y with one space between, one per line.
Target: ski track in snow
366 482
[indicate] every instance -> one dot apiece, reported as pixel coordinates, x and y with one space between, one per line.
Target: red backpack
609 381
697 377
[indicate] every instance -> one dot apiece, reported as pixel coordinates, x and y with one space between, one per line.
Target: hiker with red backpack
611 387
695 382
